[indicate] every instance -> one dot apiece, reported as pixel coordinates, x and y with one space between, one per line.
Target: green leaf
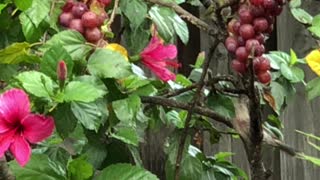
124 172
51 58
17 53
278 93
293 74
184 81
174 118
180 28
159 16
127 135
132 36
315 30
169 23
293 59
88 114
126 109
106 63
38 11
30 31
314 160
313 88
200 59
96 154
302 16
277 58
23 4
7 71
223 105
2 6
295 3
135 10
72 41
81 91
80 169
36 83
64 119
38 168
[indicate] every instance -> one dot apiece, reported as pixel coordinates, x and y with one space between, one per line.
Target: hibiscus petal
5 140
21 150
14 105
160 70
4 126
37 127
162 53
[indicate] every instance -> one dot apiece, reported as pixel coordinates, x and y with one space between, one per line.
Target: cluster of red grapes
247 35
77 16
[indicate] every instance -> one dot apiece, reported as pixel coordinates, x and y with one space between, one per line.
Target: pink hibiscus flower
19 127
158 57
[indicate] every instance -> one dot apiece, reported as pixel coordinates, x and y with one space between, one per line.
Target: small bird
241 123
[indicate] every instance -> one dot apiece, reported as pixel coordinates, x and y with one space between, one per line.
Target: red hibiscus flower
158 57
19 127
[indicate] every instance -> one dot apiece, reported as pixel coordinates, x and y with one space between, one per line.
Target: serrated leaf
38 168
72 41
30 31
293 74
127 135
64 119
51 58
125 109
135 11
81 91
88 114
180 28
125 171
23 4
17 53
169 23
38 11
223 105
302 16
80 169
36 83
106 63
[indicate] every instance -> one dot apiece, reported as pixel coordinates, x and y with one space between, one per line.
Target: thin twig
197 109
113 14
195 100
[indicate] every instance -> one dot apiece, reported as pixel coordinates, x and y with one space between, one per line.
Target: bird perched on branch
241 123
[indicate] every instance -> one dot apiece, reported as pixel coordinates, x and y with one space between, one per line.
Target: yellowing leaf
118 48
313 60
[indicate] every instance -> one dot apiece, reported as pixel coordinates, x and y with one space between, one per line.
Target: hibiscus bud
62 72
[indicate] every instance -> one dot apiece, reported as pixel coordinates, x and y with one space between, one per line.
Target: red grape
236 27
76 24
264 77
250 44
246 31
260 24
90 19
264 64
242 54
238 66
245 16
256 2
260 37
65 18
231 44
93 35
68 6
269 4
105 2
79 9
